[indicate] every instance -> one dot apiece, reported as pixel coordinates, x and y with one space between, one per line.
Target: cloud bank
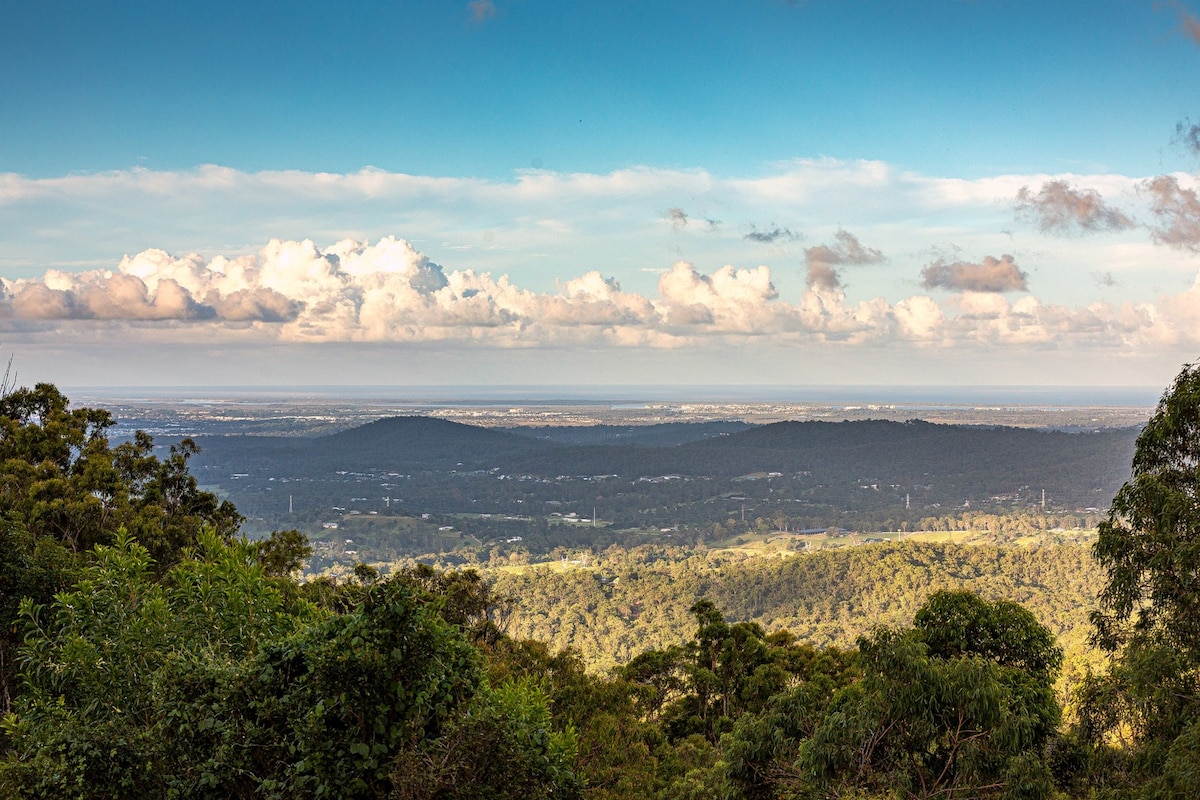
546 226
548 270
389 292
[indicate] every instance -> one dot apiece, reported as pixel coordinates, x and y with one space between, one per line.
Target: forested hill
627 601
422 442
825 463
970 461
907 450
394 443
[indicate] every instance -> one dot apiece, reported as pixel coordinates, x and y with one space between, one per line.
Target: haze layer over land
300 410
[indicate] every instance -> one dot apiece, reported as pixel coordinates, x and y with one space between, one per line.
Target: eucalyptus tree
1148 617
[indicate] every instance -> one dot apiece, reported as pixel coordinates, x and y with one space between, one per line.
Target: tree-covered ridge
812 473
901 452
193 664
625 601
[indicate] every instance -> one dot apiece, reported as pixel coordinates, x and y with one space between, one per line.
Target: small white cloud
990 275
727 301
1177 210
480 11
1059 207
823 260
920 318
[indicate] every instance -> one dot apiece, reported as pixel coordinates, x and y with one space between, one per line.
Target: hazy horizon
1124 396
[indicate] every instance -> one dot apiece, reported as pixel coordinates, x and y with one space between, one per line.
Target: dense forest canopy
627 600
149 648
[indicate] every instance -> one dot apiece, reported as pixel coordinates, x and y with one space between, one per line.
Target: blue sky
535 192
970 88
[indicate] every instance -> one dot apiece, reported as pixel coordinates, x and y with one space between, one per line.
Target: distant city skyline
519 192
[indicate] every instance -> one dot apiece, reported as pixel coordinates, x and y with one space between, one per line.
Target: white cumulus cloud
390 292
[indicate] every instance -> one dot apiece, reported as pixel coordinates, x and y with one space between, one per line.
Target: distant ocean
633 396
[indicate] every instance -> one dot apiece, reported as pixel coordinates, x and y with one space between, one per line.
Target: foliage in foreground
217 681
938 711
64 490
